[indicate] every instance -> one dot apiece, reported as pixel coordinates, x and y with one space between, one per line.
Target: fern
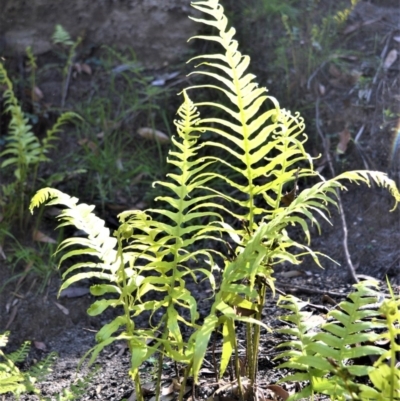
323 358
23 150
61 36
154 251
12 379
385 375
267 152
154 245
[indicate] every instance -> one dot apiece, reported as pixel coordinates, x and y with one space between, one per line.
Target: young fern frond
167 240
61 36
348 336
385 374
302 330
23 148
12 379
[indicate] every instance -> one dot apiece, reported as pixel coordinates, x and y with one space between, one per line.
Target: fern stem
257 333
250 356
159 373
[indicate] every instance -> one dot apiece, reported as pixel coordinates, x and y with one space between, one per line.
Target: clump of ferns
325 353
24 151
153 251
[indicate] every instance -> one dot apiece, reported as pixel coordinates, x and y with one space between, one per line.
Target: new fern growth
24 151
145 264
12 379
325 353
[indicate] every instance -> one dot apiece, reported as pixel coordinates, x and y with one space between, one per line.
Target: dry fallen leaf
74 292
62 308
90 144
41 237
334 71
37 94
390 59
78 67
86 69
344 138
244 311
352 28
150 133
292 273
40 345
279 391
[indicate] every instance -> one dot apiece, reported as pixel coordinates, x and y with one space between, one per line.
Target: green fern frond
21 354
61 36
12 379
353 325
23 148
252 136
366 176
98 242
385 374
302 330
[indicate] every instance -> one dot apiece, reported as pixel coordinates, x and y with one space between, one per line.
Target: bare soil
371 113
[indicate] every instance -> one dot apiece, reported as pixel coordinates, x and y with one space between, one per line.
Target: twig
350 266
66 86
313 290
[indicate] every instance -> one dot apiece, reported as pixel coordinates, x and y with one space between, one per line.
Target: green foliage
17 382
12 379
23 151
109 139
33 260
327 358
63 38
289 40
145 265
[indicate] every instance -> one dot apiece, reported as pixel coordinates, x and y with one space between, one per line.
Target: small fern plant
12 379
23 151
62 37
146 263
326 354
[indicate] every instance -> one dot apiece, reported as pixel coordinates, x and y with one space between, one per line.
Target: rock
157 30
